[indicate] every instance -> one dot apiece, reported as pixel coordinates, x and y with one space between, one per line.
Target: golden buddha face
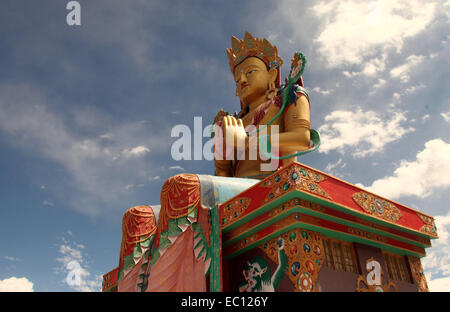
253 79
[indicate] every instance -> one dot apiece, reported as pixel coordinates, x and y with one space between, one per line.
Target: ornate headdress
250 46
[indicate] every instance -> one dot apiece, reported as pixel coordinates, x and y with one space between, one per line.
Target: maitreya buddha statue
181 249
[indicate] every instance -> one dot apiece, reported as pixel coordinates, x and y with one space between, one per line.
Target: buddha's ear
273 73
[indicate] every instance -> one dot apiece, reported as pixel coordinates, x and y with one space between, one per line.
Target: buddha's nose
243 82
243 78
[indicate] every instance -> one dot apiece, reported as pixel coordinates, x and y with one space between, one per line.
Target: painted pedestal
301 230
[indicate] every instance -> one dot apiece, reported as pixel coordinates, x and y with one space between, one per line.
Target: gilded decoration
235 209
300 178
251 46
304 250
373 280
313 221
367 235
377 207
417 273
429 227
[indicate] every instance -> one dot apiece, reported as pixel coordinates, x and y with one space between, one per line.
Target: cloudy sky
86 113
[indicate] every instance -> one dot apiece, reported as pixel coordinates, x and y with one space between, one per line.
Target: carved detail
429 227
417 273
235 209
297 177
377 207
305 253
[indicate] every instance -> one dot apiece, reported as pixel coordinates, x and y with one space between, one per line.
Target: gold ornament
251 46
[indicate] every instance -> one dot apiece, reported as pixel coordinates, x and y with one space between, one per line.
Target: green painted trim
337 234
362 227
300 209
263 209
344 209
299 194
325 232
215 268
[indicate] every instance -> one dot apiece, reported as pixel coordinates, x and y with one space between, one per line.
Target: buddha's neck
253 105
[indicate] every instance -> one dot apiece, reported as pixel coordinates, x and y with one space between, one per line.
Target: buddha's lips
244 85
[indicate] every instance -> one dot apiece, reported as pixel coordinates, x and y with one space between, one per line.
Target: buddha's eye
250 72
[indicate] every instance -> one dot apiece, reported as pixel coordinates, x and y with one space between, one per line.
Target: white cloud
137 151
13 259
439 284
331 167
73 262
437 262
425 117
403 71
446 116
320 91
414 89
428 171
355 30
156 209
362 132
380 83
15 284
48 203
177 168
92 161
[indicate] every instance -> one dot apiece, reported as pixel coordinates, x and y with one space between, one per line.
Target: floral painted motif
299 178
297 65
377 207
235 208
429 227
417 273
304 250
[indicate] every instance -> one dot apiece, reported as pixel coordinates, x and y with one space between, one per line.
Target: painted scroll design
377 207
234 209
296 177
429 227
417 273
304 250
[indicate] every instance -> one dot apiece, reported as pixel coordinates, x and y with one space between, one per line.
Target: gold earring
271 91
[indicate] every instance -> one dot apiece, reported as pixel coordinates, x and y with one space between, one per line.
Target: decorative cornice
377 206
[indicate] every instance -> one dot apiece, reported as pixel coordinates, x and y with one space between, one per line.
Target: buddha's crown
251 46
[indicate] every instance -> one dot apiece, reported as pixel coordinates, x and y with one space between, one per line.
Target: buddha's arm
296 134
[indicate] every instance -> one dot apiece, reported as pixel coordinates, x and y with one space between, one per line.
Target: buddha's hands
235 136
229 135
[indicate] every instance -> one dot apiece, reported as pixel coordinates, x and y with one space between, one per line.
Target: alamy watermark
74 16
190 145
73 278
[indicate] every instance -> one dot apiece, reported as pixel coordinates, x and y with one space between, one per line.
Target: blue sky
86 113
